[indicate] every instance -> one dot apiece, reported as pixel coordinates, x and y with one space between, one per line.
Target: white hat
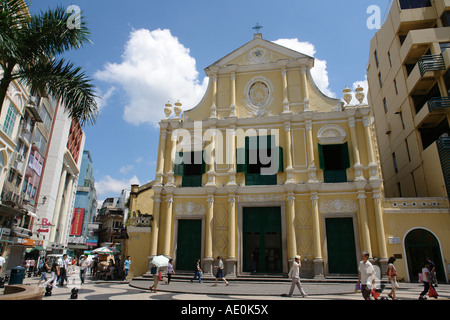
297 257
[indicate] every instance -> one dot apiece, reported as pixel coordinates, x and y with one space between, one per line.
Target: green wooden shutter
249 179
178 168
192 181
280 159
321 158
203 162
345 157
241 160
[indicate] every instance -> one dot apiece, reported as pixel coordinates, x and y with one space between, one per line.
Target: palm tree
29 50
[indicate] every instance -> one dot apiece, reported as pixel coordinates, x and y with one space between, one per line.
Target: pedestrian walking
294 274
366 275
220 275
55 270
126 267
170 271
84 266
63 268
391 272
197 272
432 272
28 265
154 271
44 269
427 285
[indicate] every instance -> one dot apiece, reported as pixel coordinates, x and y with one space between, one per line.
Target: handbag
153 270
432 293
375 294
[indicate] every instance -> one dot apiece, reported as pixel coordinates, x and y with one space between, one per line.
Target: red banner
77 221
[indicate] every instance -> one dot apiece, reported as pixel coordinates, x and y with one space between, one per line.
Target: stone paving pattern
179 289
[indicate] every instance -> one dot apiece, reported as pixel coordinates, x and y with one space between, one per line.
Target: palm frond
62 80
49 32
13 20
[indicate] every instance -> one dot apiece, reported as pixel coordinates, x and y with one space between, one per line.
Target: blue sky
147 52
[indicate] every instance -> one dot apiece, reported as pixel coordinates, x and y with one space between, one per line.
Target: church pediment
259 52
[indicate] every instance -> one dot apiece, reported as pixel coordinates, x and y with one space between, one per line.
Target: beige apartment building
409 81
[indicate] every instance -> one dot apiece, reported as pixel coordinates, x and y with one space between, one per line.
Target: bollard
48 290
74 294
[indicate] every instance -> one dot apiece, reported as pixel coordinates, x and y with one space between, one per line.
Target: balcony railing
438 103
432 62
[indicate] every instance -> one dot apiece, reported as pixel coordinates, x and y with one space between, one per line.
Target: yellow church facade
266 167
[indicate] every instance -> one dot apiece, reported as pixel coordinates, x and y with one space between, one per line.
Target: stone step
187 276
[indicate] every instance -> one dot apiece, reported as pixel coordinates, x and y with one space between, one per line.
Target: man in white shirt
63 267
294 274
84 265
367 275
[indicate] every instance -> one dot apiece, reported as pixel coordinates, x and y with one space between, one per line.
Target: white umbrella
105 250
160 261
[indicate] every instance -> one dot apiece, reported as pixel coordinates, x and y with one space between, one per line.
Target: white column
285 90
55 219
233 95
64 223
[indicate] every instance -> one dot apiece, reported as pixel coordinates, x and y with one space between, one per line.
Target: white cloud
102 100
126 169
111 185
139 159
319 71
155 68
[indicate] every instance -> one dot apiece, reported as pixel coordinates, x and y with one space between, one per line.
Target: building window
250 160
10 120
390 60
191 166
334 160
40 142
379 80
414 4
11 175
18 180
394 158
401 119
376 58
407 150
399 187
46 119
395 87
385 105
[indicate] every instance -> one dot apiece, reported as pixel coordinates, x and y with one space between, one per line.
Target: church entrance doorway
341 246
189 243
262 252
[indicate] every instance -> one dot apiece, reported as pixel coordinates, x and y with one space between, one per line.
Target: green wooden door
341 246
189 244
262 238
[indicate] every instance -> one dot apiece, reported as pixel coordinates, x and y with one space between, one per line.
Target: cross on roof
257 27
